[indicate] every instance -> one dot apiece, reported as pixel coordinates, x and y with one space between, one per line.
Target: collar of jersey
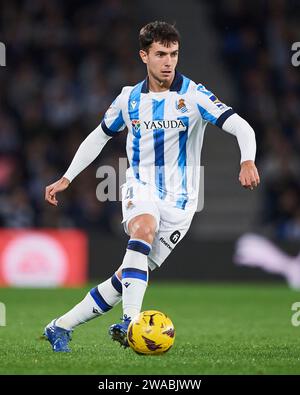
175 86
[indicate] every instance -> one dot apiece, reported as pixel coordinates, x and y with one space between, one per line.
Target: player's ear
144 56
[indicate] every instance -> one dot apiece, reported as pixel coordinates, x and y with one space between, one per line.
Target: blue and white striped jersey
165 134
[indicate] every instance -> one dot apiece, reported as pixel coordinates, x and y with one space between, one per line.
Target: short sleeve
211 108
113 121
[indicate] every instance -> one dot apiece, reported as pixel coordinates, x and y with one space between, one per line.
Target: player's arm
89 149
87 152
217 113
236 125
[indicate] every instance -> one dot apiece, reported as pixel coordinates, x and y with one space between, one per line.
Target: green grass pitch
220 329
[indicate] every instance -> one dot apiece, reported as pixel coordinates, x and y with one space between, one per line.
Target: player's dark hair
158 31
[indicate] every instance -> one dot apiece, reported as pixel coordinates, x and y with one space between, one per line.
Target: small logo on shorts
126 285
162 240
129 204
175 236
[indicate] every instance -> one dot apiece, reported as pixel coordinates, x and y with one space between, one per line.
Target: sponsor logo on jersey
165 124
180 105
162 240
136 124
175 236
217 102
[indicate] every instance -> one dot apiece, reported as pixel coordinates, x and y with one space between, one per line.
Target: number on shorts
129 193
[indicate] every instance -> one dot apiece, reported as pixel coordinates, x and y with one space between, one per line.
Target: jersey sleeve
211 109
113 121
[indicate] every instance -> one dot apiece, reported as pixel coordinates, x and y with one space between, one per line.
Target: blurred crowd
66 62
257 37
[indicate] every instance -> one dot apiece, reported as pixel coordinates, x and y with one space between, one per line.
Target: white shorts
172 222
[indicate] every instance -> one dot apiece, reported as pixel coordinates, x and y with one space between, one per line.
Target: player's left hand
249 177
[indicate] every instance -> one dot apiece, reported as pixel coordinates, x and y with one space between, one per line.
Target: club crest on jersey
180 105
136 124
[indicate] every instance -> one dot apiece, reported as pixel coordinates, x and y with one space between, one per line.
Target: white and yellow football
151 332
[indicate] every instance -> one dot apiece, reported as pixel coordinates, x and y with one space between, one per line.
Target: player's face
161 61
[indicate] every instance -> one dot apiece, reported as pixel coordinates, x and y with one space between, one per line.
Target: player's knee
143 229
143 232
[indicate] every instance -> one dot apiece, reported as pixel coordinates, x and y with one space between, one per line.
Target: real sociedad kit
164 142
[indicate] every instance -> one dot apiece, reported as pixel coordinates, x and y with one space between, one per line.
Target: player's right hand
51 190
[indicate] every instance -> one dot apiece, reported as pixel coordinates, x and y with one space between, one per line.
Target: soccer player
166 115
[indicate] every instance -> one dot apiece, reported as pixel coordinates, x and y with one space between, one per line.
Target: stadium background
67 60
